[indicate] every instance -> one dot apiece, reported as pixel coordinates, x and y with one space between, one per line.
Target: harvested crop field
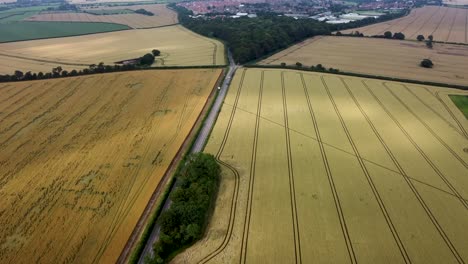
444 23
162 17
381 57
178 46
325 168
81 157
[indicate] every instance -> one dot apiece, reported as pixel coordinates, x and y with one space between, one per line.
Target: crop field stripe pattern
439 228
292 191
245 235
441 141
397 164
422 25
457 129
424 155
437 96
232 213
368 177
336 198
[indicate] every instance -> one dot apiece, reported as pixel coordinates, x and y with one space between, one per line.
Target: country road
197 147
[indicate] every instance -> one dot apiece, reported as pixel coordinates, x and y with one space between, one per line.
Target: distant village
333 12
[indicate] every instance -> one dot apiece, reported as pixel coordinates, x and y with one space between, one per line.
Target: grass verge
461 101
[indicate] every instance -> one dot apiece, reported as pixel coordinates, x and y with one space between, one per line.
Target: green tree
156 52
429 44
426 63
399 36
420 38
147 59
388 34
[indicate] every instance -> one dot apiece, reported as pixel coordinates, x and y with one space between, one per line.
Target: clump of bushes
184 222
426 63
145 12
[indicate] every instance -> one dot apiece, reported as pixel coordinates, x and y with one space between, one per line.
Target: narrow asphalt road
197 147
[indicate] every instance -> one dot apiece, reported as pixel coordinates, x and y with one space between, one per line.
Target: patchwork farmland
323 168
162 17
178 47
446 24
381 57
80 158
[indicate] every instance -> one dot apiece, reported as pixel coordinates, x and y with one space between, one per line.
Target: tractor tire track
245 234
403 173
336 198
423 154
370 181
292 188
441 141
232 213
435 112
437 96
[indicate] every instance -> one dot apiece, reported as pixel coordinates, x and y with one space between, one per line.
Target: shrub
427 63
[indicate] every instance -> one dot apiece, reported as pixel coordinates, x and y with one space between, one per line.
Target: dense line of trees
145 12
252 38
184 222
142 62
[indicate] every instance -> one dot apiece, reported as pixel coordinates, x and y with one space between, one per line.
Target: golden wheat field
162 17
325 168
80 158
178 46
382 57
444 23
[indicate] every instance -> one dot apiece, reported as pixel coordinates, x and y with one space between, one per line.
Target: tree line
57 72
184 222
253 38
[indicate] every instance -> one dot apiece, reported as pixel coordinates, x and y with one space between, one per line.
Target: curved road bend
197 147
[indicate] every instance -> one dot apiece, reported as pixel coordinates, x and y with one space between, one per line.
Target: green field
37 30
461 101
18 14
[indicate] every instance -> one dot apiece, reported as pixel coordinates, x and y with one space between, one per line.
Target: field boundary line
232 213
399 167
336 198
441 141
245 234
423 154
364 169
436 113
292 189
437 96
